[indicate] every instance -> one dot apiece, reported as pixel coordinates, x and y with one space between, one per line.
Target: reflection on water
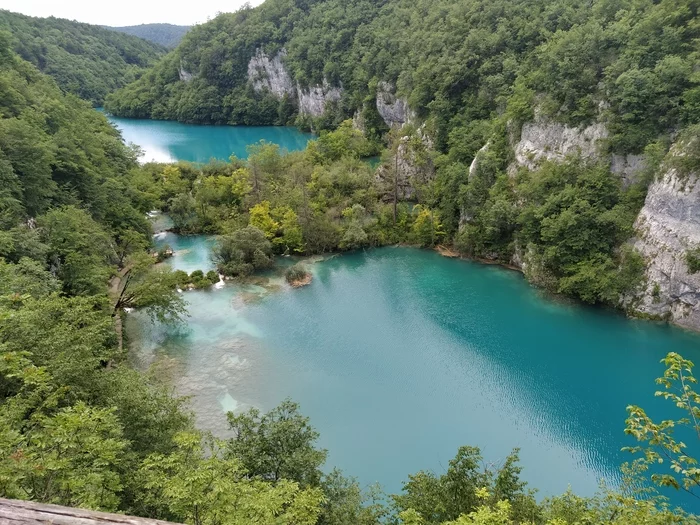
400 356
167 141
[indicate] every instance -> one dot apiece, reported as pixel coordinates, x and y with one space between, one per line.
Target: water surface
168 141
400 356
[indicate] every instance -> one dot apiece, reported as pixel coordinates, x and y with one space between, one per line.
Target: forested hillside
552 95
166 35
87 60
81 428
459 63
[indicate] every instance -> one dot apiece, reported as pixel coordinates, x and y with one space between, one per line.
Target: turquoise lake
399 356
167 141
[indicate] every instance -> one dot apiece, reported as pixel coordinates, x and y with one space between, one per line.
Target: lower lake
399 356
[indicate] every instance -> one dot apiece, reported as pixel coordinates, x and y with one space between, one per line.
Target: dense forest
472 73
87 60
81 428
166 35
461 64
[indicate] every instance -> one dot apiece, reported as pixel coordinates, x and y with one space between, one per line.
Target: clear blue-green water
399 356
167 141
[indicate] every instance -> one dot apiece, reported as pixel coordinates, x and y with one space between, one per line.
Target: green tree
242 252
279 444
660 444
203 486
152 289
64 455
80 251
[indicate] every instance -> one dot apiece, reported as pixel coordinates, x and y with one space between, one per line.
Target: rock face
313 101
394 111
464 216
628 167
413 165
270 74
667 226
184 75
543 140
553 141
267 73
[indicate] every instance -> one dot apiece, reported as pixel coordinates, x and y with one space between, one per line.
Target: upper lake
167 141
400 356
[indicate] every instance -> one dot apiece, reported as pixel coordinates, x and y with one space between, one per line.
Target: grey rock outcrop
267 73
394 111
628 167
413 166
270 74
543 140
667 227
184 75
358 122
464 216
313 101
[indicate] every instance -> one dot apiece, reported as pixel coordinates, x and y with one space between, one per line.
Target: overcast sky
126 12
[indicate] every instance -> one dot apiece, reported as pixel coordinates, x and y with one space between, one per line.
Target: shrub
296 273
692 259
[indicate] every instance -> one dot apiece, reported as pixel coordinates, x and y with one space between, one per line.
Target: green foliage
692 259
447 497
151 289
277 445
206 486
660 444
79 250
86 60
166 35
243 252
296 273
345 141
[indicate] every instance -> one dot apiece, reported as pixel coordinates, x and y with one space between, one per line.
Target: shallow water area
399 356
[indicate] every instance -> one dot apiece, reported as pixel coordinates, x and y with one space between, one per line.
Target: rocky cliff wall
393 110
267 73
545 140
314 100
667 227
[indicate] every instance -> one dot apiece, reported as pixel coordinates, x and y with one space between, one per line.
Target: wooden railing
15 512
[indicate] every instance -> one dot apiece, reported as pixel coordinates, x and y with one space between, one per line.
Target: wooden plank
16 512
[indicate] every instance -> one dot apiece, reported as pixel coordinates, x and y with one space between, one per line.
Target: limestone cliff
313 101
667 227
267 73
394 111
184 75
545 140
412 166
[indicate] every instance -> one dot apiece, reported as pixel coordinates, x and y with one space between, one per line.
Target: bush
243 252
164 253
692 259
296 273
181 278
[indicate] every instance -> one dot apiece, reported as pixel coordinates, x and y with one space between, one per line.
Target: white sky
126 12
